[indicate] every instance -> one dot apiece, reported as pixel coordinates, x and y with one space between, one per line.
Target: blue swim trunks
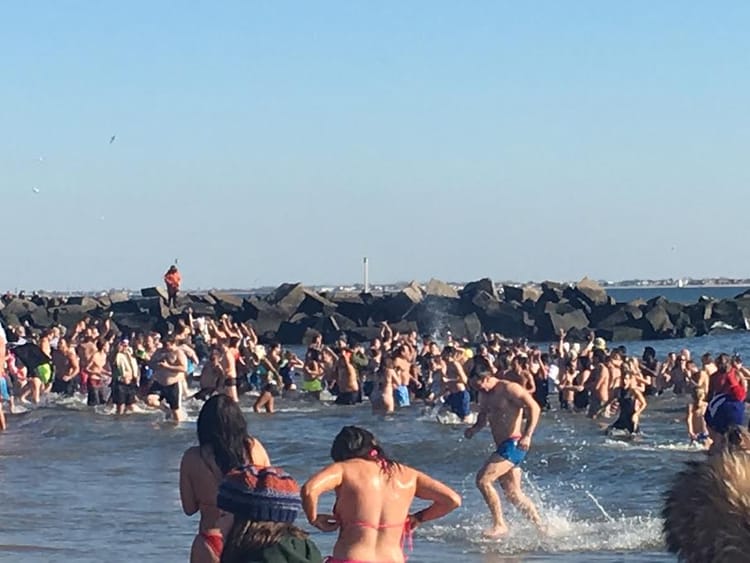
459 403
4 394
722 412
401 396
509 450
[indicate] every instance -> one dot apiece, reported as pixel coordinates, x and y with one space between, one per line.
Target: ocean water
77 485
685 295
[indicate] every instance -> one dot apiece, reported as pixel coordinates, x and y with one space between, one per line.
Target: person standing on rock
172 279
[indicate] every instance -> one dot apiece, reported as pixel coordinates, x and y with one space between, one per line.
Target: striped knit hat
260 494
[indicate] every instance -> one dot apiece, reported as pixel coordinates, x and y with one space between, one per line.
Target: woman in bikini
224 444
373 498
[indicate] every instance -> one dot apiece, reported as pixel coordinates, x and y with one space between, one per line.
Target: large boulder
266 319
440 289
19 307
521 294
154 306
315 304
554 322
136 322
38 318
227 303
551 293
293 331
434 313
332 326
591 291
621 334
397 306
352 306
117 296
618 318
288 296
728 312
155 292
503 318
88 303
658 320
68 315
471 289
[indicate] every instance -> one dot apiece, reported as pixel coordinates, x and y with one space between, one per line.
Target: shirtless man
85 350
229 367
126 376
65 360
502 404
212 377
519 373
697 384
39 378
599 384
169 364
402 364
457 397
679 375
98 370
347 378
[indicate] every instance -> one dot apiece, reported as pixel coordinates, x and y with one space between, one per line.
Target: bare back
200 478
372 508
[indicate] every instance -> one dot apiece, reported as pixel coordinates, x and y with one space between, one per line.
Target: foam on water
565 533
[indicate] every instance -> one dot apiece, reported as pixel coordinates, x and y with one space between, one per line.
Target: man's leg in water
36 390
511 484
493 469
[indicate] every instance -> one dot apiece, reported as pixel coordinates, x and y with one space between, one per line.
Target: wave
564 534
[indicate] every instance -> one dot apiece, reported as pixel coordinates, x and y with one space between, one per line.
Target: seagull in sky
112 139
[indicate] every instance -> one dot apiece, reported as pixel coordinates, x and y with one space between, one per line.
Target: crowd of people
497 382
93 358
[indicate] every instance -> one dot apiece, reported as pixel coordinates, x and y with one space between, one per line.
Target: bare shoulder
513 390
191 454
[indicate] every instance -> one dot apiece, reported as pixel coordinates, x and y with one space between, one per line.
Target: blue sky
262 142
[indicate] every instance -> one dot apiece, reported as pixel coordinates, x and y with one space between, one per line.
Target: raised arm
444 499
323 481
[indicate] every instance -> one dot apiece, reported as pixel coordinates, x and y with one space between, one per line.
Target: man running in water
169 364
502 403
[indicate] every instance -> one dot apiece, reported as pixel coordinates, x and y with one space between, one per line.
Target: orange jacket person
172 278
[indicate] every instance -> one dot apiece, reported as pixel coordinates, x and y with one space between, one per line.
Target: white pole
367 280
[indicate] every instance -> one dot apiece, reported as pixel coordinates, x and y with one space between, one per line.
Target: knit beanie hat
260 494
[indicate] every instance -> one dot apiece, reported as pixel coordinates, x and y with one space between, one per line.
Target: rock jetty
293 312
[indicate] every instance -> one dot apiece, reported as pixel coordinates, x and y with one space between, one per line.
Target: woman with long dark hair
373 497
224 444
